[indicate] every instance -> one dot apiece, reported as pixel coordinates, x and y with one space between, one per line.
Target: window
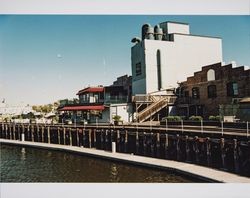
138 71
195 93
186 93
158 60
211 91
210 75
232 89
179 92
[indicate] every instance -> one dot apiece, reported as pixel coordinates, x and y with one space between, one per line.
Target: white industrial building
167 54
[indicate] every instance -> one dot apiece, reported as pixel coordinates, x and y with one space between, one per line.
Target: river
19 164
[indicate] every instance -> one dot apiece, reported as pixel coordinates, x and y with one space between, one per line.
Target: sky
44 58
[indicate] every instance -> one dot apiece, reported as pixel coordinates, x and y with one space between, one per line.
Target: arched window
211 91
210 75
158 58
195 93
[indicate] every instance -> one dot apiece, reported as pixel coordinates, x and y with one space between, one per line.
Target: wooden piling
18 131
95 137
106 139
126 141
64 136
236 156
196 148
48 134
58 135
77 137
9 129
223 154
118 140
14 131
137 142
152 149
70 136
178 147
32 133
2 130
83 138
28 132
101 138
90 140
6 131
42 134
187 149
158 144
208 151
144 143
166 146
38 133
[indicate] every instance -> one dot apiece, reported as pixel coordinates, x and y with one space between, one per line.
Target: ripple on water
37 165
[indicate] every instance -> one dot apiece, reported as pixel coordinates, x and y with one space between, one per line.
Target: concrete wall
179 59
171 28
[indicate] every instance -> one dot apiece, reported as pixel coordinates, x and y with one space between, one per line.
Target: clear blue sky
49 57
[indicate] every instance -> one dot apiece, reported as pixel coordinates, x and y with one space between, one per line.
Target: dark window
179 92
158 58
138 71
232 89
186 93
211 91
195 93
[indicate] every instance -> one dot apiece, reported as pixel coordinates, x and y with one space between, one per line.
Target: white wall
171 27
179 60
123 110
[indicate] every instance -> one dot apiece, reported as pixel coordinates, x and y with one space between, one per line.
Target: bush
195 118
117 118
173 118
215 118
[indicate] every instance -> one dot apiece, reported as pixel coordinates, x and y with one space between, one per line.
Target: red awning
91 90
82 108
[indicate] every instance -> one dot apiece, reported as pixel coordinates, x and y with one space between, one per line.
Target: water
19 164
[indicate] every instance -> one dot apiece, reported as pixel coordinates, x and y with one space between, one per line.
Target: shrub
117 118
215 118
195 118
173 118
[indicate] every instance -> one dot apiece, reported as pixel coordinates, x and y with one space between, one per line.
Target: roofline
216 37
175 22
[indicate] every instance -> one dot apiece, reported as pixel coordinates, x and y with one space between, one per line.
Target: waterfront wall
229 153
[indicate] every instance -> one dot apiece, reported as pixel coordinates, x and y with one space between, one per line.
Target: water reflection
38 165
114 173
23 154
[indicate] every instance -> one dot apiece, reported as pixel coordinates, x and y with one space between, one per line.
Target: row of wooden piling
159 145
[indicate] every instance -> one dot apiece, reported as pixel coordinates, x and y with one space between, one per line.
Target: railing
140 98
116 99
152 109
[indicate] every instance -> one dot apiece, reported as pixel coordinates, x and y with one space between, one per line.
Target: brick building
215 90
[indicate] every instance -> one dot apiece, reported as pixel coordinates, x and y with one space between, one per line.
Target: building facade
100 104
167 54
215 90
